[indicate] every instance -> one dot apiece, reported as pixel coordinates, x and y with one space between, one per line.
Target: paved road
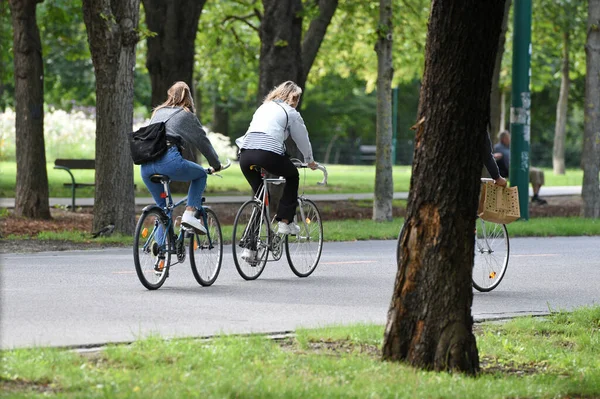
93 297
237 199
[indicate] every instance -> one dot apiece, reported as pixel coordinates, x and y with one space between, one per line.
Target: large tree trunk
497 94
31 198
384 184
560 130
280 50
112 35
591 145
171 52
429 321
314 36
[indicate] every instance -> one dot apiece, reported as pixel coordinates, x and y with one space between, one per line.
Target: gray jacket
185 129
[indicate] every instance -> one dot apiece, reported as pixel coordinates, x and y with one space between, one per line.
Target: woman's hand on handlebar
313 165
501 181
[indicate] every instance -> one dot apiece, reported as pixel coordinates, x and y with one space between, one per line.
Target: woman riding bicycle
264 145
182 128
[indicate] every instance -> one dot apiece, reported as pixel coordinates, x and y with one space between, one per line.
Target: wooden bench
68 165
368 153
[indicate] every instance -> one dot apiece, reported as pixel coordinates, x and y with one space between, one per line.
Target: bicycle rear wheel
151 245
491 255
304 249
206 255
250 240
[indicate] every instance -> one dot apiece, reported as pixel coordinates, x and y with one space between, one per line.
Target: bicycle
492 249
158 238
254 232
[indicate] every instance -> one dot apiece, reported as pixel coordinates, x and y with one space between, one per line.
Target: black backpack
148 143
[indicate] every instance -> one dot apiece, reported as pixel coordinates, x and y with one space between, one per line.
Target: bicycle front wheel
250 240
491 255
304 249
151 245
206 251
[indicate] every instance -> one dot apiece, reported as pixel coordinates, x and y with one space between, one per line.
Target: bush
73 135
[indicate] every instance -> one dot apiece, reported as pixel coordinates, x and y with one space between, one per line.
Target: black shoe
539 201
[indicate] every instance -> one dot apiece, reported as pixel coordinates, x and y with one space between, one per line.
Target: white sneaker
291 228
248 255
190 222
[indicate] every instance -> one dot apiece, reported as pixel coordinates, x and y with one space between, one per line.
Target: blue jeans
177 168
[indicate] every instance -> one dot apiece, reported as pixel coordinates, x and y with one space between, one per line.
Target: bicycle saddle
158 178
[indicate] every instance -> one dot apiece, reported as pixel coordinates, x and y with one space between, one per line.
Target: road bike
159 239
255 235
492 249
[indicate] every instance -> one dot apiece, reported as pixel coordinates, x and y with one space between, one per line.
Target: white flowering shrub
73 135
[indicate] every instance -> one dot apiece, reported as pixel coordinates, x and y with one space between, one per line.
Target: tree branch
315 34
242 19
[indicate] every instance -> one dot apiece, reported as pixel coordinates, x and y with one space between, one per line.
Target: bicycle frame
168 213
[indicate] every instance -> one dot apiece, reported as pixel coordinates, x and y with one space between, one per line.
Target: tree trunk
112 35
591 145
171 52
384 184
502 126
314 36
220 118
560 130
497 94
31 194
280 50
429 321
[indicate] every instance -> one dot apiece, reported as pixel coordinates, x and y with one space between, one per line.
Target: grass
342 179
339 361
364 229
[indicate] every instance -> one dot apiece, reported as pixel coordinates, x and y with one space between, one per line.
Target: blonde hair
288 92
178 95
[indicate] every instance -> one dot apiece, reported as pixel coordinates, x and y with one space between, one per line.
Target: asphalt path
80 298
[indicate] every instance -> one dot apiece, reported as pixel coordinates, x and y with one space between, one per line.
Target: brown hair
288 92
178 95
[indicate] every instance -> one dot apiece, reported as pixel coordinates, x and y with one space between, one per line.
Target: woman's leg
247 159
180 169
155 189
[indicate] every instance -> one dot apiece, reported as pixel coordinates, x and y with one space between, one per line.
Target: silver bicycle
255 236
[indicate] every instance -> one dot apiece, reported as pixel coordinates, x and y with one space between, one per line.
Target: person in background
502 157
182 129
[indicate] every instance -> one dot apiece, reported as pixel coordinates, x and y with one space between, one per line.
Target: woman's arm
300 135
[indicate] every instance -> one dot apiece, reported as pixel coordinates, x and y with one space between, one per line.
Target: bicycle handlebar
299 164
211 171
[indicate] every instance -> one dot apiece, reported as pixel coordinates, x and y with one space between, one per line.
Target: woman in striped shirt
264 145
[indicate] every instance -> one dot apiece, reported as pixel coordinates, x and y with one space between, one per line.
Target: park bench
368 153
70 164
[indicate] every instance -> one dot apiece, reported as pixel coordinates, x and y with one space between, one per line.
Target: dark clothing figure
504 161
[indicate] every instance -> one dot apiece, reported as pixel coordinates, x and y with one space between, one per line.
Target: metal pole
520 123
394 122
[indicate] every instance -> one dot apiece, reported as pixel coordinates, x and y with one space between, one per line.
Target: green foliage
7 82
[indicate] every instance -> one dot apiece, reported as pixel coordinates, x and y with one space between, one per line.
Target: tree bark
112 35
314 36
591 145
384 184
31 194
280 51
497 94
429 321
560 130
171 52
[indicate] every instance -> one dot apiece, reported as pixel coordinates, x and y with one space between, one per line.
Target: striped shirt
272 123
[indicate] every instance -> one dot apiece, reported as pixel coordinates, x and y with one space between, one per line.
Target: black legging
278 165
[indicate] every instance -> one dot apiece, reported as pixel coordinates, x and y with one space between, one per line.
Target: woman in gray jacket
264 145
183 128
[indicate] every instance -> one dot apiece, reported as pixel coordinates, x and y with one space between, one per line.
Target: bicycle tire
303 250
150 256
206 256
492 250
247 215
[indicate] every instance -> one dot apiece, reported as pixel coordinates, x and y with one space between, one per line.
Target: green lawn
331 362
342 179
366 229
